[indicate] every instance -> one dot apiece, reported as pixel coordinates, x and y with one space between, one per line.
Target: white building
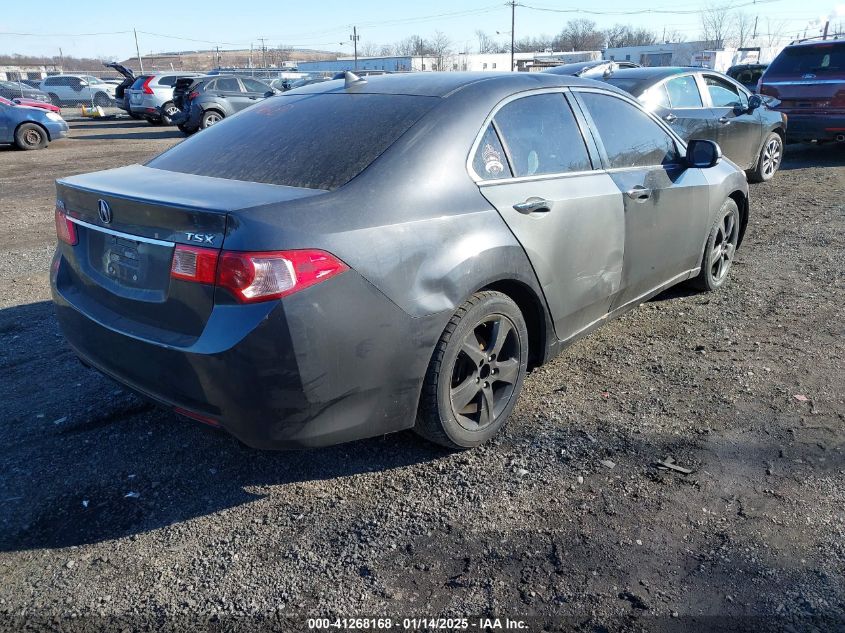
480 62
37 73
699 54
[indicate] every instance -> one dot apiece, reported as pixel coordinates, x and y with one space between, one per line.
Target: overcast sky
92 28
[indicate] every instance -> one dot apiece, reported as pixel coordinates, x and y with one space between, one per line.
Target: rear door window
227 84
683 92
631 138
319 141
541 136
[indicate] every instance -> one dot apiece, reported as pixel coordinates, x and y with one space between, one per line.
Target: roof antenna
351 79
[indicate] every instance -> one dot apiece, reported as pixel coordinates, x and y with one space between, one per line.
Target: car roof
443 84
811 43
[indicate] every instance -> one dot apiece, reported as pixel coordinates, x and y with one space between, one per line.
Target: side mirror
703 154
754 102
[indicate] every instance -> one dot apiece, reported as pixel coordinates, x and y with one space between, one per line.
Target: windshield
802 60
318 141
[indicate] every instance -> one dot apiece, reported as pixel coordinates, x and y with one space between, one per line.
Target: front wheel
475 374
102 99
720 249
31 136
769 160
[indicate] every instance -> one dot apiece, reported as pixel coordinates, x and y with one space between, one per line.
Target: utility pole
355 37
826 27
250 55
754 37
513 24
263 53
61 58
138 52
218 57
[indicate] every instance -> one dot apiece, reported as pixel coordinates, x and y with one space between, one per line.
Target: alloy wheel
771 157
724 246
485 372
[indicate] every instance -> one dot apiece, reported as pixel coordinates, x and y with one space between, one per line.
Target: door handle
670 118
533 205
639 193
724 120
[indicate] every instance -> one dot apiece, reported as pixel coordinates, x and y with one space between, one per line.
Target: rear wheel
31 136
209 118
168 111
720 249
769 160
476 373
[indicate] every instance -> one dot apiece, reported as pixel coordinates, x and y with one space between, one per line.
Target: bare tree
368 49
530 44
580 35
440 47
744 28
486 44
775 32
675 37
620 35
716 25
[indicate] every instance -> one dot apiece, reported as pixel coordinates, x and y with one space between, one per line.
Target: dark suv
212 98
808 80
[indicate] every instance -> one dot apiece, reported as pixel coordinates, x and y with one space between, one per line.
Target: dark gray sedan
701 103
363 256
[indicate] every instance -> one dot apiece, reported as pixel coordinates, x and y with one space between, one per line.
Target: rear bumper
333 363
818 127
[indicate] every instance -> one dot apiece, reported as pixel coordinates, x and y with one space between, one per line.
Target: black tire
459 373
720 249
168 110
31 136
769 159
187 131
210 117
102 99
54 99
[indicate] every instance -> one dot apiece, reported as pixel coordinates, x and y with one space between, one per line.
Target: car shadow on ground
803 155
153 134
85 461
107 124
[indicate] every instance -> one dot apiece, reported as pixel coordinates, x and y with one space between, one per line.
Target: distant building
36 73
700 54
405 63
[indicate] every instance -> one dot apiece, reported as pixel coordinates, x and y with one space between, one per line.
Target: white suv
72 89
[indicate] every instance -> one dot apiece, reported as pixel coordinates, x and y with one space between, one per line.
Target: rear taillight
253 277
65 229
146 86
191 263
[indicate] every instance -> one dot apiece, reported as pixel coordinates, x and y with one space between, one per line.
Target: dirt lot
111 508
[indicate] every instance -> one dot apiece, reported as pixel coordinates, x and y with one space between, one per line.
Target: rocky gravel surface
116 514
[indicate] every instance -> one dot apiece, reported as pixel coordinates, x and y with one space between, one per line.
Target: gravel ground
112 510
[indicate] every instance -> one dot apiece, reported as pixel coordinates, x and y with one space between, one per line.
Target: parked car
705 104
32 103
747 74
151 96
283 85
356 258
120 97
807 79
75 89
594 69
209 100
29 128
17 89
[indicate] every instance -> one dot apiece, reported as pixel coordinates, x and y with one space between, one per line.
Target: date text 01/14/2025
417 624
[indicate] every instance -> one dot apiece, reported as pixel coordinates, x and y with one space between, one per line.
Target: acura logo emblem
104 211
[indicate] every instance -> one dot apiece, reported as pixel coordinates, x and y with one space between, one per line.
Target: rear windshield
319 141
139 81
628 85
802 60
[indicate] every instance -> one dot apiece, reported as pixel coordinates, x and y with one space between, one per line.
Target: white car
73 89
